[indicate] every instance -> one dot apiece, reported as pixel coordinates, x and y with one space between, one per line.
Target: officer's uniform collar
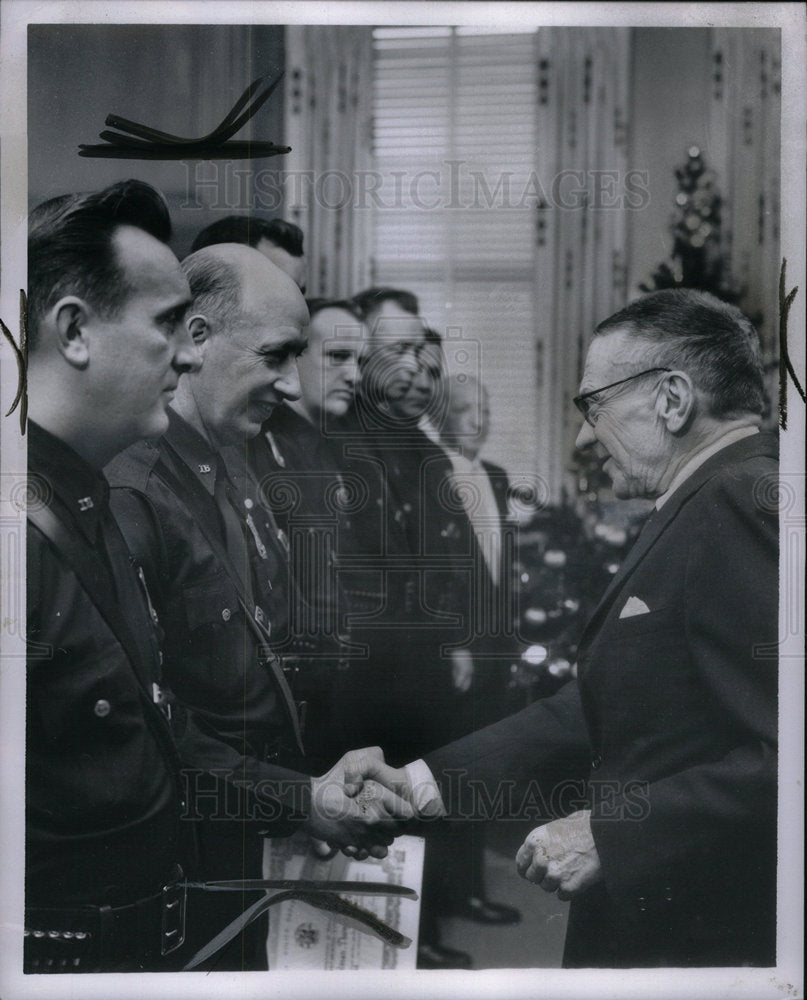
79 487
196 452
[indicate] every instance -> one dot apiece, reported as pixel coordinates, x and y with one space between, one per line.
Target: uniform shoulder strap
77 557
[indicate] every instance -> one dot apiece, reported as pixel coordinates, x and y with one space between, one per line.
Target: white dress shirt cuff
426 798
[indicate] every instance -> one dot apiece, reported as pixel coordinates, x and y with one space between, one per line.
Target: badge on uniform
258 541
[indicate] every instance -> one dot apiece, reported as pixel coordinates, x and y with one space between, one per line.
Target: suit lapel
500 484
659 520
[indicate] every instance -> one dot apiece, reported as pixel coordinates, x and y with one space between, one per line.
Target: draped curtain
328 126
745 111
581 231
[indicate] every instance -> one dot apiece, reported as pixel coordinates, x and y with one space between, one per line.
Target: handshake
362 804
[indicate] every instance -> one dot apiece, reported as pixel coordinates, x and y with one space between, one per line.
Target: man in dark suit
668 739
483 487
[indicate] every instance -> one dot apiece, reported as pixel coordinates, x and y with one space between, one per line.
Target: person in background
213 560
104 802
425 400
484 489
295 464
417 670
458 405
279 241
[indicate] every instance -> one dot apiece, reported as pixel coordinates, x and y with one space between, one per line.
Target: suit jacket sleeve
531 765
715 820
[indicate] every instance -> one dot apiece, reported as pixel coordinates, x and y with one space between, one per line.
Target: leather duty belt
102 938
142 934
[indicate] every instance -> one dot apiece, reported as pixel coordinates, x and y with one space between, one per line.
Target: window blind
454 140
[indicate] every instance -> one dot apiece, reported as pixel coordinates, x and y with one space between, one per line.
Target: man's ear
199 328
70 317
676 401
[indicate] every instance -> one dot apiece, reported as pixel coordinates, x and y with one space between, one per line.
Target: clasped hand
561 855
353 812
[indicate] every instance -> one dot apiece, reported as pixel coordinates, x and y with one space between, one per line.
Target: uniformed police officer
297 470
107 346
211 556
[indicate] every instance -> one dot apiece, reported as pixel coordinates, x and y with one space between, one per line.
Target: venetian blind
456 203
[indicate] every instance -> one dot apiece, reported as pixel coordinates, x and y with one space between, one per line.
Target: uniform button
225 614
102 708
248 503
596 760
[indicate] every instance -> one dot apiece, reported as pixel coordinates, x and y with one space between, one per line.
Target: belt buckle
174 905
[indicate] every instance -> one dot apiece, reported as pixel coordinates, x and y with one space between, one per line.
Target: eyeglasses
583 402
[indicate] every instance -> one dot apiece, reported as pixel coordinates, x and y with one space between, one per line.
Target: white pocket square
634 606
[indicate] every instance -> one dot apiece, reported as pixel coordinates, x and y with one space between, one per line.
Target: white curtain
744 145
329 94
581 275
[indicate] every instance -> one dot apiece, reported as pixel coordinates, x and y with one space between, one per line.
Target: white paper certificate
304 937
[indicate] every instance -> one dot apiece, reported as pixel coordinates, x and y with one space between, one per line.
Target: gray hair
696 332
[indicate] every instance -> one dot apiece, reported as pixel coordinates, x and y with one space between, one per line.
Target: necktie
233 526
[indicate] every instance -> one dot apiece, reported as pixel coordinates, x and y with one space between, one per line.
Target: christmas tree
698 258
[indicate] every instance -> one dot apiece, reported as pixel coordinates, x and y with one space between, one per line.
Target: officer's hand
351 811
561 855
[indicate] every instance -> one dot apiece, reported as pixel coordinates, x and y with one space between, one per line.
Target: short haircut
215 285
71 249
346 305
250 230
371 300
698 333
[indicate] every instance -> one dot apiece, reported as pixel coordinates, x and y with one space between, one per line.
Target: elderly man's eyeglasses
585 401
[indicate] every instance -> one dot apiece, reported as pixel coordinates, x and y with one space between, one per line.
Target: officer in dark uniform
405 560
104 802
211 556
296 467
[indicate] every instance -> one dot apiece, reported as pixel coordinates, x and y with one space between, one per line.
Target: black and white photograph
402 499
